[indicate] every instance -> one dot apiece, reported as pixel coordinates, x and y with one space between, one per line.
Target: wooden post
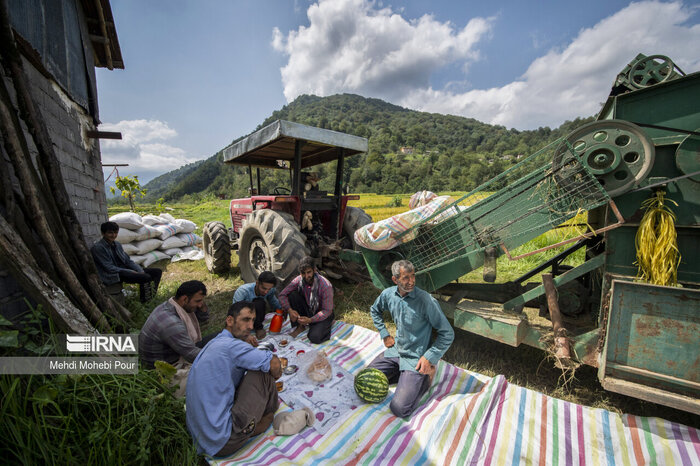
17 258
561 341
335 216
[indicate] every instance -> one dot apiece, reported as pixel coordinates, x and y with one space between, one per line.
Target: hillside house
61 43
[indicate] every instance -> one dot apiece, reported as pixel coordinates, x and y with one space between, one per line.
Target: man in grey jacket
172 333
114 265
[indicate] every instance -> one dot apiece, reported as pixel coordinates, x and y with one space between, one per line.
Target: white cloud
350 46
564 84
142 147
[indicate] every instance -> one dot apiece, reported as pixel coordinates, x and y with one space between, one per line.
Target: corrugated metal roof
276 142
103 34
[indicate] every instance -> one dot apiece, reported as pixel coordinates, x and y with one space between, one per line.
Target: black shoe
148 292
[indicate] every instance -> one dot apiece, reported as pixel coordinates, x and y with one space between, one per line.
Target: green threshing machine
644 339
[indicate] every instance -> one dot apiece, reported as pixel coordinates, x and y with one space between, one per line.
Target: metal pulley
645 71
618 153
651 70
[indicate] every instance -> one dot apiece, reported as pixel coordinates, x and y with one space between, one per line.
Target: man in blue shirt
261 294
409 359
231 392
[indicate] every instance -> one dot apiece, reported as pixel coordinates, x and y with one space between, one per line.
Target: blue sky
199 74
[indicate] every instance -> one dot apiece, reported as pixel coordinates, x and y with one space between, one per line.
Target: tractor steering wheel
281 190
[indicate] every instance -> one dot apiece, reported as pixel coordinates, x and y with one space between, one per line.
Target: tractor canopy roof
276 142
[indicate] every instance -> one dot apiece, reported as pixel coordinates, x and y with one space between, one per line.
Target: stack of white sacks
154 238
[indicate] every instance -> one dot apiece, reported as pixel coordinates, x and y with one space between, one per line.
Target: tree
129 187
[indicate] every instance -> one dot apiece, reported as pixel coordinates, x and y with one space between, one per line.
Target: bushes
93 419
395 201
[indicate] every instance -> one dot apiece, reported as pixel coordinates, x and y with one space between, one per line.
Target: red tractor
274 231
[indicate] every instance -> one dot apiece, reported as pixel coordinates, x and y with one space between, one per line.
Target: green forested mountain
408 151
160 185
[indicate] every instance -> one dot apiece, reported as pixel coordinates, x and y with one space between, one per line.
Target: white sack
186 226
173 242
147 232
137 259
183 239
192 239
127 236
128 220
154 256
148 245
131 249
167 217
166 230
151 219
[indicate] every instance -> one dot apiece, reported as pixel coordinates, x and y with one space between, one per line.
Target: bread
320 369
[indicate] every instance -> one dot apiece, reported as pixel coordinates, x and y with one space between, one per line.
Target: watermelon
371 385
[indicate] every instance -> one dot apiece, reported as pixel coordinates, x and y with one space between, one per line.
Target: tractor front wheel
217 247
270 241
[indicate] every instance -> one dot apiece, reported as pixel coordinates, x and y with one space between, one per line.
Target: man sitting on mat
309 300
261 294
231 391
410 359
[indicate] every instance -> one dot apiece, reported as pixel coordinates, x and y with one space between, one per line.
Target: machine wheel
651 70
271 241
217 247
618 153
355 218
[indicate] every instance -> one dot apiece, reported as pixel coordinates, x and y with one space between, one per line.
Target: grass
93 419
86 419
524 366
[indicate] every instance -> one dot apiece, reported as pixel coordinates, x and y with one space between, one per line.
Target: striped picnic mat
467 418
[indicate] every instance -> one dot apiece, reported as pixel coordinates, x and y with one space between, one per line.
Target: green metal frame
645 339
652 346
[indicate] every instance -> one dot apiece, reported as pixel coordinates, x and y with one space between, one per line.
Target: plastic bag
191 255
316 366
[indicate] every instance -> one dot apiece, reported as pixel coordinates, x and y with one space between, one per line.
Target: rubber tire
276 240
355 218
217 247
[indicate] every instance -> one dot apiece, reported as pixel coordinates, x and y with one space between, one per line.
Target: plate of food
290 369
280 386
266 345
284 342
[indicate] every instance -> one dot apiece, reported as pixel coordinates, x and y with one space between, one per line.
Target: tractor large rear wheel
271 241
217 247
355 218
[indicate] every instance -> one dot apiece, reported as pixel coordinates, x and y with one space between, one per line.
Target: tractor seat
313 193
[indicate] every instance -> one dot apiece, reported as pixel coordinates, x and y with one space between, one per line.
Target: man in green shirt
409 359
